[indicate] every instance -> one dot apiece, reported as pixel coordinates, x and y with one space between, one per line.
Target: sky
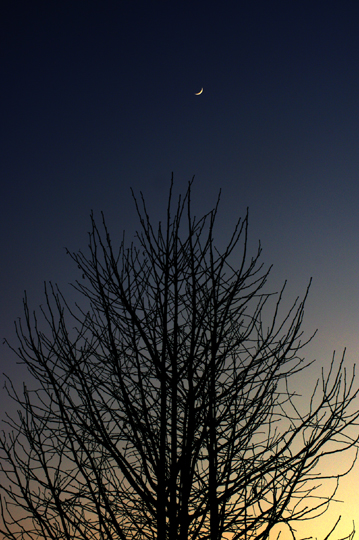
97 98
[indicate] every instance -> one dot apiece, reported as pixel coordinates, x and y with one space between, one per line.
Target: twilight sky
98 97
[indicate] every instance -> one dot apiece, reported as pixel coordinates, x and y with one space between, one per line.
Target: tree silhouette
167 411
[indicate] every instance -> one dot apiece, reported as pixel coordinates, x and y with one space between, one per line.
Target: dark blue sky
98 97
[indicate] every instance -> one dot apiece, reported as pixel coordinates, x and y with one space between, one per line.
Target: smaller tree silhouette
167 412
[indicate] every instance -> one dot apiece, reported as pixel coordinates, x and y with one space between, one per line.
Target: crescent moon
200 92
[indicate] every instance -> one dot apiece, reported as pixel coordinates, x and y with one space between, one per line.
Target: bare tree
167 412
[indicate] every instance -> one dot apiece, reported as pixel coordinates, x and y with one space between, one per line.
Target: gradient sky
98 97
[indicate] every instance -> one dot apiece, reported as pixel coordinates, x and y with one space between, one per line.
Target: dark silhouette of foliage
167 412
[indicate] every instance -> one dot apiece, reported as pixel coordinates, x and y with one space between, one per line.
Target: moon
198 93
